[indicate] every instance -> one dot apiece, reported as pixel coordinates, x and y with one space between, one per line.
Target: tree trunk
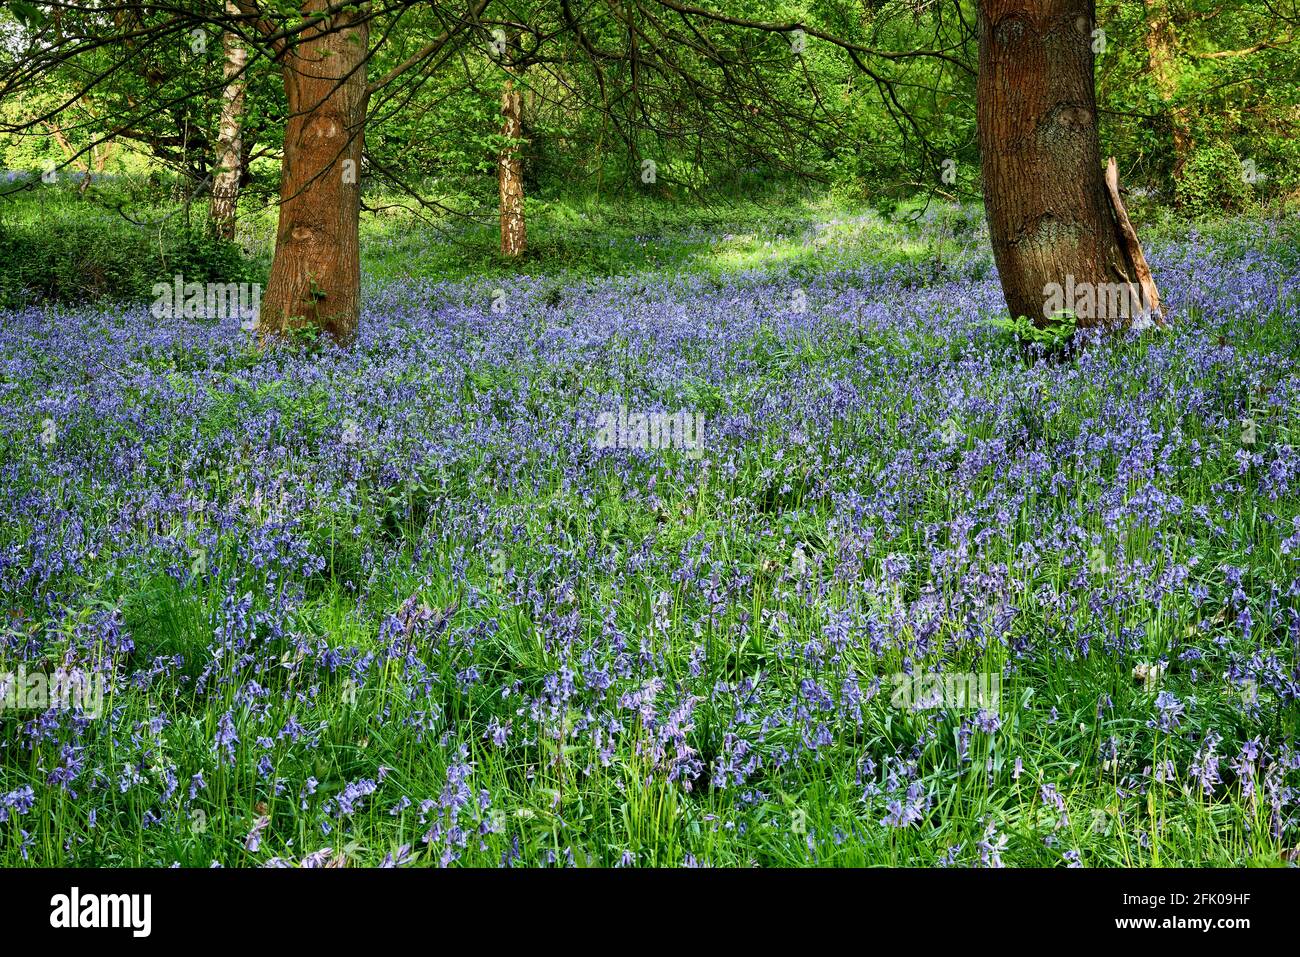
1161 45
225 187
315 277
510 174
1051 219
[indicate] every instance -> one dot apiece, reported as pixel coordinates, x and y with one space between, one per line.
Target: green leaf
28 14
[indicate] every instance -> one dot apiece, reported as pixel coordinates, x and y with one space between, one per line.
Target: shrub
1213 182
56 248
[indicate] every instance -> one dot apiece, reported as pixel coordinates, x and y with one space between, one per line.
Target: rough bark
510 174
229 159
1050 216
315 276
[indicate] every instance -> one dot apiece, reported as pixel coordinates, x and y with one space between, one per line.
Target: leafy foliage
1051 335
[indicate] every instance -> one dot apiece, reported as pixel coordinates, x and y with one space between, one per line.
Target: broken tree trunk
1134 258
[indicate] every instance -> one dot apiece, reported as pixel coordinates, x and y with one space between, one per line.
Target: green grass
119 238
555 796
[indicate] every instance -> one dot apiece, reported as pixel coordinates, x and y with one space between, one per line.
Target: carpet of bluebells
393 606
